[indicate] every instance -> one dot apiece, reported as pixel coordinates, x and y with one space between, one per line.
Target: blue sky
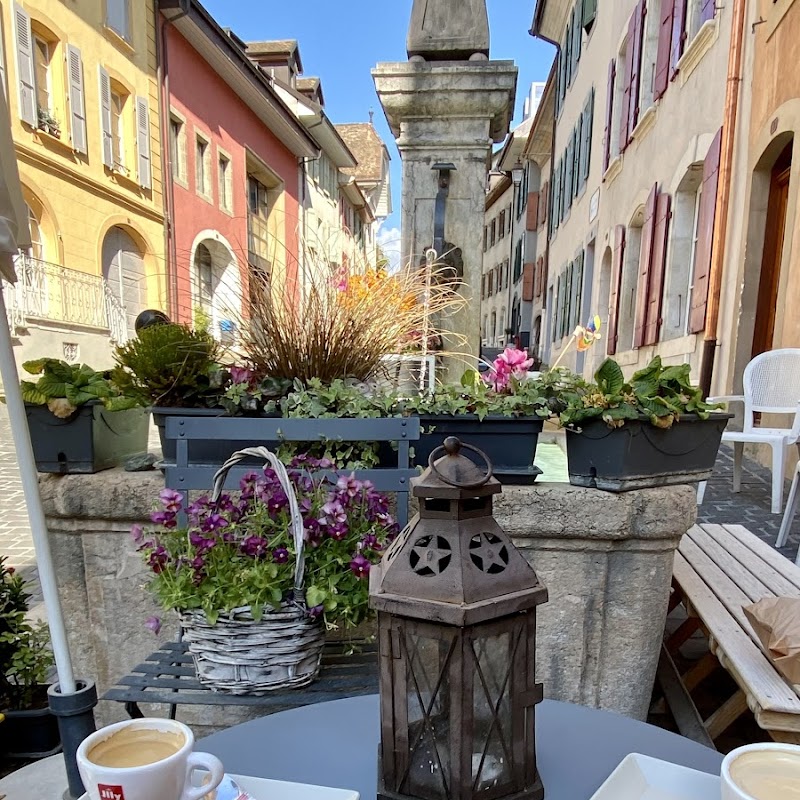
341 40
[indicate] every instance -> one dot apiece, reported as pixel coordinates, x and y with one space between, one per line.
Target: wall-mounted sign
594 206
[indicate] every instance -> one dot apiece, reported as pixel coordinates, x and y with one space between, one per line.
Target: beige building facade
639 107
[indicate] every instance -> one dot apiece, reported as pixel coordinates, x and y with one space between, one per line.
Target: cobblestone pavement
751 506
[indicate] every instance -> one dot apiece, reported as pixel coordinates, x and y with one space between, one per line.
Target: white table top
336 744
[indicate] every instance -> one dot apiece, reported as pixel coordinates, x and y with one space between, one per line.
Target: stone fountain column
447 104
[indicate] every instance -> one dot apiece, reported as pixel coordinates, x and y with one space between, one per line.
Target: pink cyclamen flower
241 375
153 624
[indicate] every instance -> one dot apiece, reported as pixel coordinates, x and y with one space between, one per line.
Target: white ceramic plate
643 778
263 789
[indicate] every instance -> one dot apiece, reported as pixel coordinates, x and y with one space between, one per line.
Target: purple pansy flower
171 500
280 555
153 624
360 566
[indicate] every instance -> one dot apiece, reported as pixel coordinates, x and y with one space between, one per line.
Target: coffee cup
145 759
765 771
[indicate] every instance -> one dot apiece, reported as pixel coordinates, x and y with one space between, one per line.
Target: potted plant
501 412
48 123
79 420
654 430
236 573
28 729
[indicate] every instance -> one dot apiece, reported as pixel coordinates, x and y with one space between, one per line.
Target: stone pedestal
448 111
606 561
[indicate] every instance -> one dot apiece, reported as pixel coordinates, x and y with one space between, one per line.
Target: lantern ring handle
462 446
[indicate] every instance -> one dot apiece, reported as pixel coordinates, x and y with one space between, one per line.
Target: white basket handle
298 530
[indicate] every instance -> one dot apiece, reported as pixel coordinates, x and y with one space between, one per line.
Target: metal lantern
456 606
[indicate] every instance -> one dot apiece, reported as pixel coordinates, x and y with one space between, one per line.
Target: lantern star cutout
487 555
429 557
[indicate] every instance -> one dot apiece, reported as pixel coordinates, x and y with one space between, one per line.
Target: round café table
336 744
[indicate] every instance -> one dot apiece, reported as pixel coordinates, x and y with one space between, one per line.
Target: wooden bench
718 570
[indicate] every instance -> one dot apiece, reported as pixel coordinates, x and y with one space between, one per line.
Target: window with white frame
202 166
649 55
682 254
118 17
630 280
620 108
225 183
177 147
42 56
118 101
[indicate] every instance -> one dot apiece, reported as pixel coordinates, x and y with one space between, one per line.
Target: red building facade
234 155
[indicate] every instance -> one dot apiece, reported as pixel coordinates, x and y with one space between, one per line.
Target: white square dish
641 777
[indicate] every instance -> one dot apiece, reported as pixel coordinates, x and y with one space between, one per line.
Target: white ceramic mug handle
204 761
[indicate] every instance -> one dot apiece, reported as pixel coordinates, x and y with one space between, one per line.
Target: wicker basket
241 656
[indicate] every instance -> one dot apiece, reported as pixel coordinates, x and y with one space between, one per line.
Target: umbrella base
75 713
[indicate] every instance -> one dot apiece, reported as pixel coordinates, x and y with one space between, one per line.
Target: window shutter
483 286
577 140
532 218
556 307
26 75
661 80
708 10
579 288
543 195
77 102
567 51
568 173
566 318
636 74
611 86
705 233
105 118
573 296
659 268
577 36
616 286
527 282
645 266
625 111
678 34
586 144
589 14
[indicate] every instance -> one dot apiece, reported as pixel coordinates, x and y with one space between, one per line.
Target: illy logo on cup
110 792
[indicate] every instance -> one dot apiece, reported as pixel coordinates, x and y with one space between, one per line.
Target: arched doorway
216 289
124 272
772 254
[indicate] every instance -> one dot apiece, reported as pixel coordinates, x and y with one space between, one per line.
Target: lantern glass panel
492 754
428 693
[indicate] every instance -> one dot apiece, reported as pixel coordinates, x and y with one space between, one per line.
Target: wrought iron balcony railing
54 293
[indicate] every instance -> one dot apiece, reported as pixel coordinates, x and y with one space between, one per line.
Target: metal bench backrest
184 475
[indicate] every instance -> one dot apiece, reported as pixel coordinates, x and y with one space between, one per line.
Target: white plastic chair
791 510
771 386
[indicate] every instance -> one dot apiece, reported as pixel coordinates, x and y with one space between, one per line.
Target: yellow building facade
82 88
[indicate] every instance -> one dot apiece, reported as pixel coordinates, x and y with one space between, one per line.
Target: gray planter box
91 440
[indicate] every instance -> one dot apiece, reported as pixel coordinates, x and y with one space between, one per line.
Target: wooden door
773 249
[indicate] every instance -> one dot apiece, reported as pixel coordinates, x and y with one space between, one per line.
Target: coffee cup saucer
640 776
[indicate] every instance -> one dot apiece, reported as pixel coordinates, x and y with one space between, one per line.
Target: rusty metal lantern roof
455 566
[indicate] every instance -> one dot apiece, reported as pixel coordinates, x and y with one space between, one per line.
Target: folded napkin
776 622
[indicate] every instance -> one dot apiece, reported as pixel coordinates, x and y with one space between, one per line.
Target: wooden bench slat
727 592
746 662
767 554
766 573
739 573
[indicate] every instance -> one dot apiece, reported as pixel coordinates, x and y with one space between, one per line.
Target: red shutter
705 235
658 270
678 34
533 211
624 120
708 10
661 80
645 266
538 283
527 282
612 75
636 74
616 285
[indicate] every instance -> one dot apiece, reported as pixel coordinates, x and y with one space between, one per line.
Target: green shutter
589 14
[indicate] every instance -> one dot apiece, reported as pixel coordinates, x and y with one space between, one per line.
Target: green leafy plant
238 551
522 398
25 654
169 365
64 387
657 393
340 399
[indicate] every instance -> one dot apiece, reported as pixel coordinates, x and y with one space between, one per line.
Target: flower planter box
201 451
91 440
638 455
31 733
510 442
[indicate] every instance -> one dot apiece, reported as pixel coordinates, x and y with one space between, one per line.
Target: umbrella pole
71 716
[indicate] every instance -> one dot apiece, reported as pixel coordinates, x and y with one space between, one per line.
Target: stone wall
606 560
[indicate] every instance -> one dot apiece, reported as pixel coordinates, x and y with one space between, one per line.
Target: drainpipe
171 246
723 194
